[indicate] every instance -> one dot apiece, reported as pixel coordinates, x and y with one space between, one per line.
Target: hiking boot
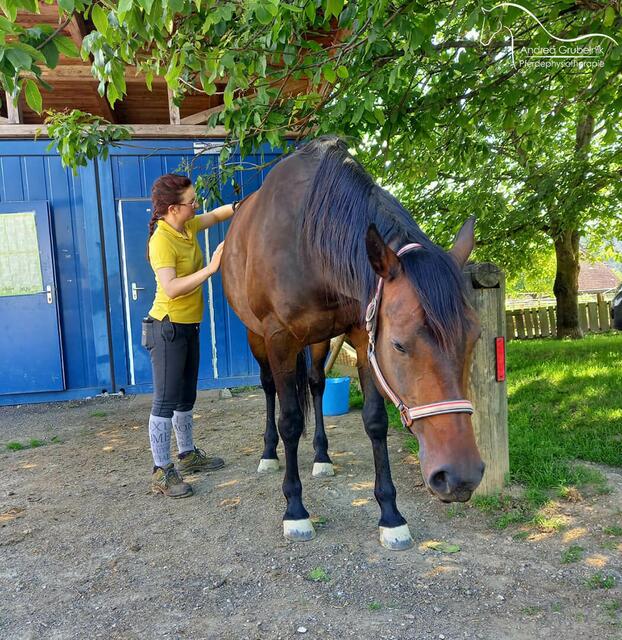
169 482
198 460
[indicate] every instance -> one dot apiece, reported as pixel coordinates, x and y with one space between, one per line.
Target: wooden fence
540 322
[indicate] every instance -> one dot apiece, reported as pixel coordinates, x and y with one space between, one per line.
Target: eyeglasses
194 203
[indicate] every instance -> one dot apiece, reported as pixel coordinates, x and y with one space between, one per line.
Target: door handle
135 290
48 294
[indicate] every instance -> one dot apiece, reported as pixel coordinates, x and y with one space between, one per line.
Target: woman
171 332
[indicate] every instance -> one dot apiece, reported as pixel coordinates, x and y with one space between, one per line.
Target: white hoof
323 469
298 530
396 538
267 466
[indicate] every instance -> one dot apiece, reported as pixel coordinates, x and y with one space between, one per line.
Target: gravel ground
86 551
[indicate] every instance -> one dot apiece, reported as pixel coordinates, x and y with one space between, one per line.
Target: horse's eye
398 347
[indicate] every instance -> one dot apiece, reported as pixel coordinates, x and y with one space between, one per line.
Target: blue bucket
336 399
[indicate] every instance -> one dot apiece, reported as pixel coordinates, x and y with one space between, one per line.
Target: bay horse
321 250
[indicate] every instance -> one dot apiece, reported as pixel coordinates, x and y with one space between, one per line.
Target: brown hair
166 190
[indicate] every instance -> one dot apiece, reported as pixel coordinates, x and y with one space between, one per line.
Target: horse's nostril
438 481
482 469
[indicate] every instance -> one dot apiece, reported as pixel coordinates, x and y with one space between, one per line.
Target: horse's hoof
396 538
298 530
323 469
267 466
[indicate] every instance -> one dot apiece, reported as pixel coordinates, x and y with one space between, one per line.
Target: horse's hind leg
269 459
290 377
322 464
394 532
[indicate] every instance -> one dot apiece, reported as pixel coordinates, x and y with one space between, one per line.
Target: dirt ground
86 551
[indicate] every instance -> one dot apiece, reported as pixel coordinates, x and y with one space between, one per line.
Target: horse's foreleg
322 464
289 377
269 459
394 532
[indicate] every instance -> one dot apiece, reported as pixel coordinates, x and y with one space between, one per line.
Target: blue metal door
30 345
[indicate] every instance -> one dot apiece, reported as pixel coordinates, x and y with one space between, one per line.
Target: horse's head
425 335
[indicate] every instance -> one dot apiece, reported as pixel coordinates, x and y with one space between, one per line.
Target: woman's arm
175 287
219 214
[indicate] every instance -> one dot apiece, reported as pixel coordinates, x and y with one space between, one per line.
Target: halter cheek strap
407 414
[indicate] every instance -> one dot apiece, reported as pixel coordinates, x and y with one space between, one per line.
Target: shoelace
172 474
200 453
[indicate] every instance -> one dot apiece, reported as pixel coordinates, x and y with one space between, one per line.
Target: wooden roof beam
202 117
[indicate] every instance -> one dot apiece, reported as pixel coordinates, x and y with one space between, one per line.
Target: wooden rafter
202 116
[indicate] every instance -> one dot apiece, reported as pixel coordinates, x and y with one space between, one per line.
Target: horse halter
407 414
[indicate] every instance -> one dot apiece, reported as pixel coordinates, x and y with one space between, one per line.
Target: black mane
341 204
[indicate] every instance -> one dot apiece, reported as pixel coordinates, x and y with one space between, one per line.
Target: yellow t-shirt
170 248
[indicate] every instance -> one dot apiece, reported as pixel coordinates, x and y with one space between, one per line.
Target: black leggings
174 350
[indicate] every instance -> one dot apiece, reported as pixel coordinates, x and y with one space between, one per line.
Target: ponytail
166 191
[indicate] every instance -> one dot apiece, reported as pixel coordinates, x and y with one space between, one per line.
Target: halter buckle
405 415
370 314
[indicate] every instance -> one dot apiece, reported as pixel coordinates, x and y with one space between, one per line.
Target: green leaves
18 58
610 16
66 46
33 96
333 8
100 19
80 137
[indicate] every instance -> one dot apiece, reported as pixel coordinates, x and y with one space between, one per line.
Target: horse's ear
382 258
464 242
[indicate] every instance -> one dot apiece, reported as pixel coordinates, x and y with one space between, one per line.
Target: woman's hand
214 264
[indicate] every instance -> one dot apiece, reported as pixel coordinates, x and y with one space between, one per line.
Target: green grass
33 443
98 414
601 581
572 554
564 406
374 606
15 446
318 575
613 531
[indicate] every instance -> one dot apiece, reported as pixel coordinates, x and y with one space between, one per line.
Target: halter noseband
407 414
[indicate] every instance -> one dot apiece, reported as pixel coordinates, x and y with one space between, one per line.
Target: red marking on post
500 354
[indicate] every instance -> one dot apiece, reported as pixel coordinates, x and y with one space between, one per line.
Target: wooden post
173 109
485 284
335 348
14 109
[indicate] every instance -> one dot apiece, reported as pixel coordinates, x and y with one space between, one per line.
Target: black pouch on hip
146 334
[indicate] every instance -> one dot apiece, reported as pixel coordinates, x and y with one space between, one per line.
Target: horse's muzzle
449 485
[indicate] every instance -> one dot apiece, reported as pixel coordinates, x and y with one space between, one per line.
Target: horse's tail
302 382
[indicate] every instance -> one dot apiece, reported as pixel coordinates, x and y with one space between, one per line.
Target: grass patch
319 521
532 610
613 531
564 406
98 414
33 443
572 554
318 575
601 581
15 446
612 607
374 606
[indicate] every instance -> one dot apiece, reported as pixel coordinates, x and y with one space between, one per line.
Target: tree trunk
566 285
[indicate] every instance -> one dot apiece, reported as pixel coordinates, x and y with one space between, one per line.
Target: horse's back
265 271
